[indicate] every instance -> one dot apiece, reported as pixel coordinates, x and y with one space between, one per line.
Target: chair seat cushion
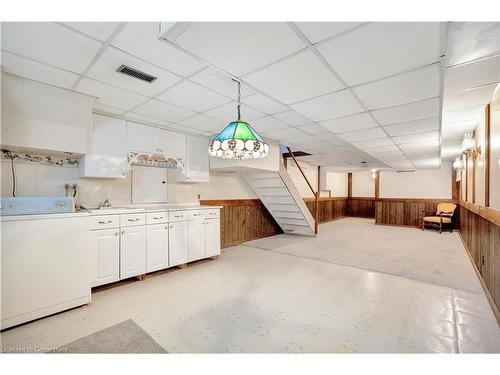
437 219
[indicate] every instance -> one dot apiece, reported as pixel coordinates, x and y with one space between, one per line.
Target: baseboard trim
491 301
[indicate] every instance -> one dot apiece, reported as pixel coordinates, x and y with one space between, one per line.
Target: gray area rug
408 252
125 337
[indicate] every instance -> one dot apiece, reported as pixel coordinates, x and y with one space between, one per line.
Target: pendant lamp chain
239 100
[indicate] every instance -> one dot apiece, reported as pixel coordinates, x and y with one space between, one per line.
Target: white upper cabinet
143 138
41 118
173 144
196 165
108 150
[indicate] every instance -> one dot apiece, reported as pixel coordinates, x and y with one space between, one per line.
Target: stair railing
315 192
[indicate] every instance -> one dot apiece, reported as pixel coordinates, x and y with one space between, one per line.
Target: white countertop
132 209
43 216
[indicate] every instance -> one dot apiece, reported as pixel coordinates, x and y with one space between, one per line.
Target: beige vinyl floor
357 287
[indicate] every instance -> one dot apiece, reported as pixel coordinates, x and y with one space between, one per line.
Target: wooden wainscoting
329 208
243 220
361 207
480 232
405 211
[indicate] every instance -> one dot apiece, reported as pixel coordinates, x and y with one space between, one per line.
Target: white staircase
282 199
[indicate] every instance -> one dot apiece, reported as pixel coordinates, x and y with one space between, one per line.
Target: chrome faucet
104 204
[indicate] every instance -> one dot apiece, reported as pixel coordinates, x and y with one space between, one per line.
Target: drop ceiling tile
144 119
413 127
408 112
192 96
337 104
382 49
296 78
105 68
349 123
361 135
229 112
405 88
268 124
317 31
468 41
365 145
413 150
141 40
239 47
36 71
429 137
36 40
264 104
382 149
109 95
98 30
423 163
220 82
468 98
203 122
292 118
471 75
289 134
313 129
163 111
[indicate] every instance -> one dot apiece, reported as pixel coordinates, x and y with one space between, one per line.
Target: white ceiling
346 92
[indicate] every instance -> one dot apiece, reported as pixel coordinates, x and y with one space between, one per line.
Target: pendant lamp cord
239 100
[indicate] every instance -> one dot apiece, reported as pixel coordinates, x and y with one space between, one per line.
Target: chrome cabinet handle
178 216
158 218
133 219
196 214
105 222
117 233
123 232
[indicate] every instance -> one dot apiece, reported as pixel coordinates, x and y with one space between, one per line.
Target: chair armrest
447 214
426 213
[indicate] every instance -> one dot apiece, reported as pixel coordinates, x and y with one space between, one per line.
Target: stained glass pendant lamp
238 140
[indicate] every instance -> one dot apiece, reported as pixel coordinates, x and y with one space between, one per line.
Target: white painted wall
310 171
38 180
423 183
334 181
363 185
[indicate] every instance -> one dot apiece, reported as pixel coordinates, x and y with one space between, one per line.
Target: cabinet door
213 237
178 242
106 159
143 138
197 161
133 251
196 239
173 144
156 247
105 254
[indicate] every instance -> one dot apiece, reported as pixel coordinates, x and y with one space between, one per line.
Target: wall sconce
469 146
374 173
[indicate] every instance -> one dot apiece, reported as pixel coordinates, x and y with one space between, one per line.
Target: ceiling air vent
136 74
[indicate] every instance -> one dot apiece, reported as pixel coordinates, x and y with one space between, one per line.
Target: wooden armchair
443 216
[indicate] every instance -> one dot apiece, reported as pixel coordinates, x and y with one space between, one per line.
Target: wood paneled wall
243 220
329 208
405 212
361 207
480 232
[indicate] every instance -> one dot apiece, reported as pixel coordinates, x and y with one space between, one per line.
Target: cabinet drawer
156 217
129 220
178 216
195 215
104 222
211 213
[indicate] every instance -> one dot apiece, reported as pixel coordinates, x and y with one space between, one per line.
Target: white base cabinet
105 256
129 245
132 252
178 243
212 237
156 247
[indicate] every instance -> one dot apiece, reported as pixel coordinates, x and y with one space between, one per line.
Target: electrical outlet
199 196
